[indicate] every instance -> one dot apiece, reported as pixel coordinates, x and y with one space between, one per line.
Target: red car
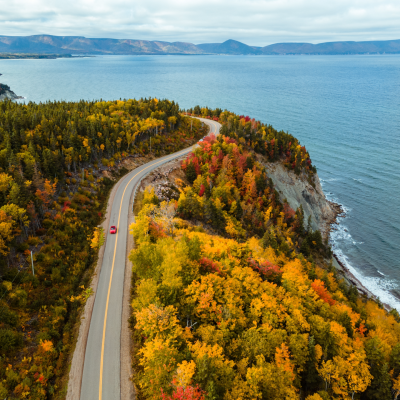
113 229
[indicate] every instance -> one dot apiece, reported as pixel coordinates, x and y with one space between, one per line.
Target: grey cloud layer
253 22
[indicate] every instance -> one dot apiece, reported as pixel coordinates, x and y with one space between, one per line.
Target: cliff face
7 94
297 191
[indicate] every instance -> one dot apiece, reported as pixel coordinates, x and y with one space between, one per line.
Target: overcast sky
254 22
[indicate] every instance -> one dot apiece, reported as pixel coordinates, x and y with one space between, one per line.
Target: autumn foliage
228 305
275 146
321 291
54 158
187 393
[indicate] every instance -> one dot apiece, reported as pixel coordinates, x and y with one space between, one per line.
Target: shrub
21 247
3 391
56 275
9 340
42 336
47 223
40 231
18 298
8 317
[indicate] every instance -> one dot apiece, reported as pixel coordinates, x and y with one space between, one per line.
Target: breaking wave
387 290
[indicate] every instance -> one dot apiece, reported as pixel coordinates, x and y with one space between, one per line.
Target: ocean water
344 109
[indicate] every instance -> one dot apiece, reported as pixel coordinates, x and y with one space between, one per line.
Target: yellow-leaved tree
97 239
346 376
6 225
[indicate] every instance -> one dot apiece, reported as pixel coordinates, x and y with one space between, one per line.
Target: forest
262 138
58 162
246 306
235 297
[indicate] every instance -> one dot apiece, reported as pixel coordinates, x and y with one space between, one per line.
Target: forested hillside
56 161
67 45
234 296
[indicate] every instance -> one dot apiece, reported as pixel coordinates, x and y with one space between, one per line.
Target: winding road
101 378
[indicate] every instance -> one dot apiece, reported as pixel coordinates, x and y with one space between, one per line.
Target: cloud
255 22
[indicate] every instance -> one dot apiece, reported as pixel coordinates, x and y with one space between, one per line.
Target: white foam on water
328 179
331 197
324 181
380 287
341 232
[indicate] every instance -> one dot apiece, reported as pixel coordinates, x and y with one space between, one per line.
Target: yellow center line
113 262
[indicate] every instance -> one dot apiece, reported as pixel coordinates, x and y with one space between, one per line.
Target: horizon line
202 43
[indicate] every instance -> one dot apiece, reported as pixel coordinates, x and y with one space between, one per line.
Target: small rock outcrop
7 94
297 191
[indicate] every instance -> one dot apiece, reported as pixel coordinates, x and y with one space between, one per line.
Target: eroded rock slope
298 191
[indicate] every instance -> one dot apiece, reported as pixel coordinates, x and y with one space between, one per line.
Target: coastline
7 94
10 95
38 56
341 267
326 227
352 280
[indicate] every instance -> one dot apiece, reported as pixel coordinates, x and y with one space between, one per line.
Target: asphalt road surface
101 373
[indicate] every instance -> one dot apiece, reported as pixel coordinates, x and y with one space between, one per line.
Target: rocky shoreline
352 280
34 56
7 94
297 190
347 274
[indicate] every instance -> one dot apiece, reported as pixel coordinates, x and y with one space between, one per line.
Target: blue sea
344 109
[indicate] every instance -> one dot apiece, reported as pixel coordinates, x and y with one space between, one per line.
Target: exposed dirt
129 163
164 179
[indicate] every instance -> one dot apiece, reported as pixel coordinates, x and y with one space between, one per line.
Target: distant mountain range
47 44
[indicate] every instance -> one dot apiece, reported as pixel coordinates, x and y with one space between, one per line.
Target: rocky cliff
297 191
7 94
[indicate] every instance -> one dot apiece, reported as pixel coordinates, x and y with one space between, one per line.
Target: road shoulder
78 359
127 387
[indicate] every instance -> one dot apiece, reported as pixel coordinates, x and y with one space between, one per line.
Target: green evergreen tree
381 384
310 377
345 321
395 360
305 247
269 238
190 172
300 220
